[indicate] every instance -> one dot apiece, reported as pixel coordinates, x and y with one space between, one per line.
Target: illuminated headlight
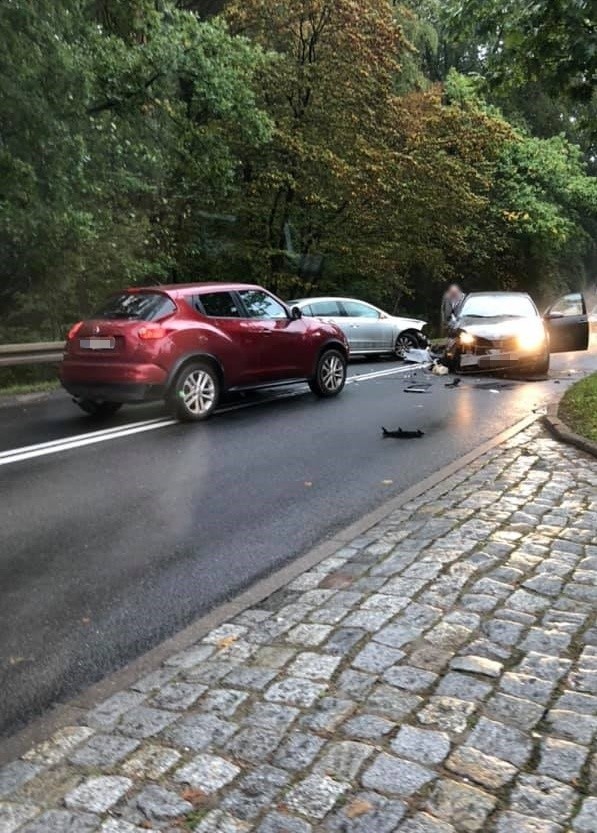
466 339
532 340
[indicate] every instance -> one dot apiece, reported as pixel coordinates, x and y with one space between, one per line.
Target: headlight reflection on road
465 413
522 399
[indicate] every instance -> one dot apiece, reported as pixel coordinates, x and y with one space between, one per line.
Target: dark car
188 344
503 330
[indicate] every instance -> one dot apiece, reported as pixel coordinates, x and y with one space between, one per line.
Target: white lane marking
75 437
18 455
376 374
28 452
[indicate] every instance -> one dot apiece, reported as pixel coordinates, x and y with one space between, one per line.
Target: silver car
368 329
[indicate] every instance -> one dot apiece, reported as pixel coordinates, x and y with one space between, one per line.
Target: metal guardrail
43 352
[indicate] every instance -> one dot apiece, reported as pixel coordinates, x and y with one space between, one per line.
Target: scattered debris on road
453 384
418 356
402 435
423 387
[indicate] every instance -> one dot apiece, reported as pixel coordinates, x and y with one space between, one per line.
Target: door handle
265 332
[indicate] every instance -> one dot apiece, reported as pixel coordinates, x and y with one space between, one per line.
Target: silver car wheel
198 392
404 343
332 373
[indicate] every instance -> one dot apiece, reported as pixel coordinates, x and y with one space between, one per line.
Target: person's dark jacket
450 310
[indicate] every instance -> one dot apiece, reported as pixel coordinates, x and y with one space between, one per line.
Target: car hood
503 328
408 323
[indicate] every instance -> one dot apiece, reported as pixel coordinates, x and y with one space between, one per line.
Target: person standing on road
451 303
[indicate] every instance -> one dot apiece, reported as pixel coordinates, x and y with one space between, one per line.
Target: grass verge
28 387
578 408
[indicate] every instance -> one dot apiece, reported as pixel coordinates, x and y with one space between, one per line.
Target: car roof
497 292
331 298
177 289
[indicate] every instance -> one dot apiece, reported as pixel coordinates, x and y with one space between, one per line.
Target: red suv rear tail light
152 331
74 330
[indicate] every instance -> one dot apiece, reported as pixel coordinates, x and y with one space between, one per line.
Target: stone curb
70 713
562 432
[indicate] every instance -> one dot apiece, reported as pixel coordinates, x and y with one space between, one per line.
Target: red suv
189 343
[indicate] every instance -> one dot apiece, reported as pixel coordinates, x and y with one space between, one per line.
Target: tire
101 410
404 343
330 376
453 364
541 367
195 393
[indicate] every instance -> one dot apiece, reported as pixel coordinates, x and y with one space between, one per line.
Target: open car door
568 324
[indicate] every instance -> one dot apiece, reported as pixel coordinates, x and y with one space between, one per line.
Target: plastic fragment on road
421 388
399 434
495 387
453 384
417 355
439 369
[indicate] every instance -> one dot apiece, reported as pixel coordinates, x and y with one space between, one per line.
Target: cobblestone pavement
437 675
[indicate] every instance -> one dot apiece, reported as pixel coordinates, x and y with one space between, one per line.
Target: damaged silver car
504 330
369 330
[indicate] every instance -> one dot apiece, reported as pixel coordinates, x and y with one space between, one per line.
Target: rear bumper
112 381
101 392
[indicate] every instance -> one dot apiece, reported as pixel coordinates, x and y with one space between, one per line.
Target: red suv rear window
137 306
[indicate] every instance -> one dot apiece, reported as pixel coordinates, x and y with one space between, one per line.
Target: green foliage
422 41
309 197
554 41
113 127
536 61
375 147
542 204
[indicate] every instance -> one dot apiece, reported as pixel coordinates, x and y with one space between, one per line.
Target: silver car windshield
498 306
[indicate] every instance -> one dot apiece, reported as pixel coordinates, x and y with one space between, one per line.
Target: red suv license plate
97 343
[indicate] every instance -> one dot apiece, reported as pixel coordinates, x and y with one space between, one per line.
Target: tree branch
112 103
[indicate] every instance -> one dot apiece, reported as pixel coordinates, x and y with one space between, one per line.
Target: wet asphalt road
109 547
